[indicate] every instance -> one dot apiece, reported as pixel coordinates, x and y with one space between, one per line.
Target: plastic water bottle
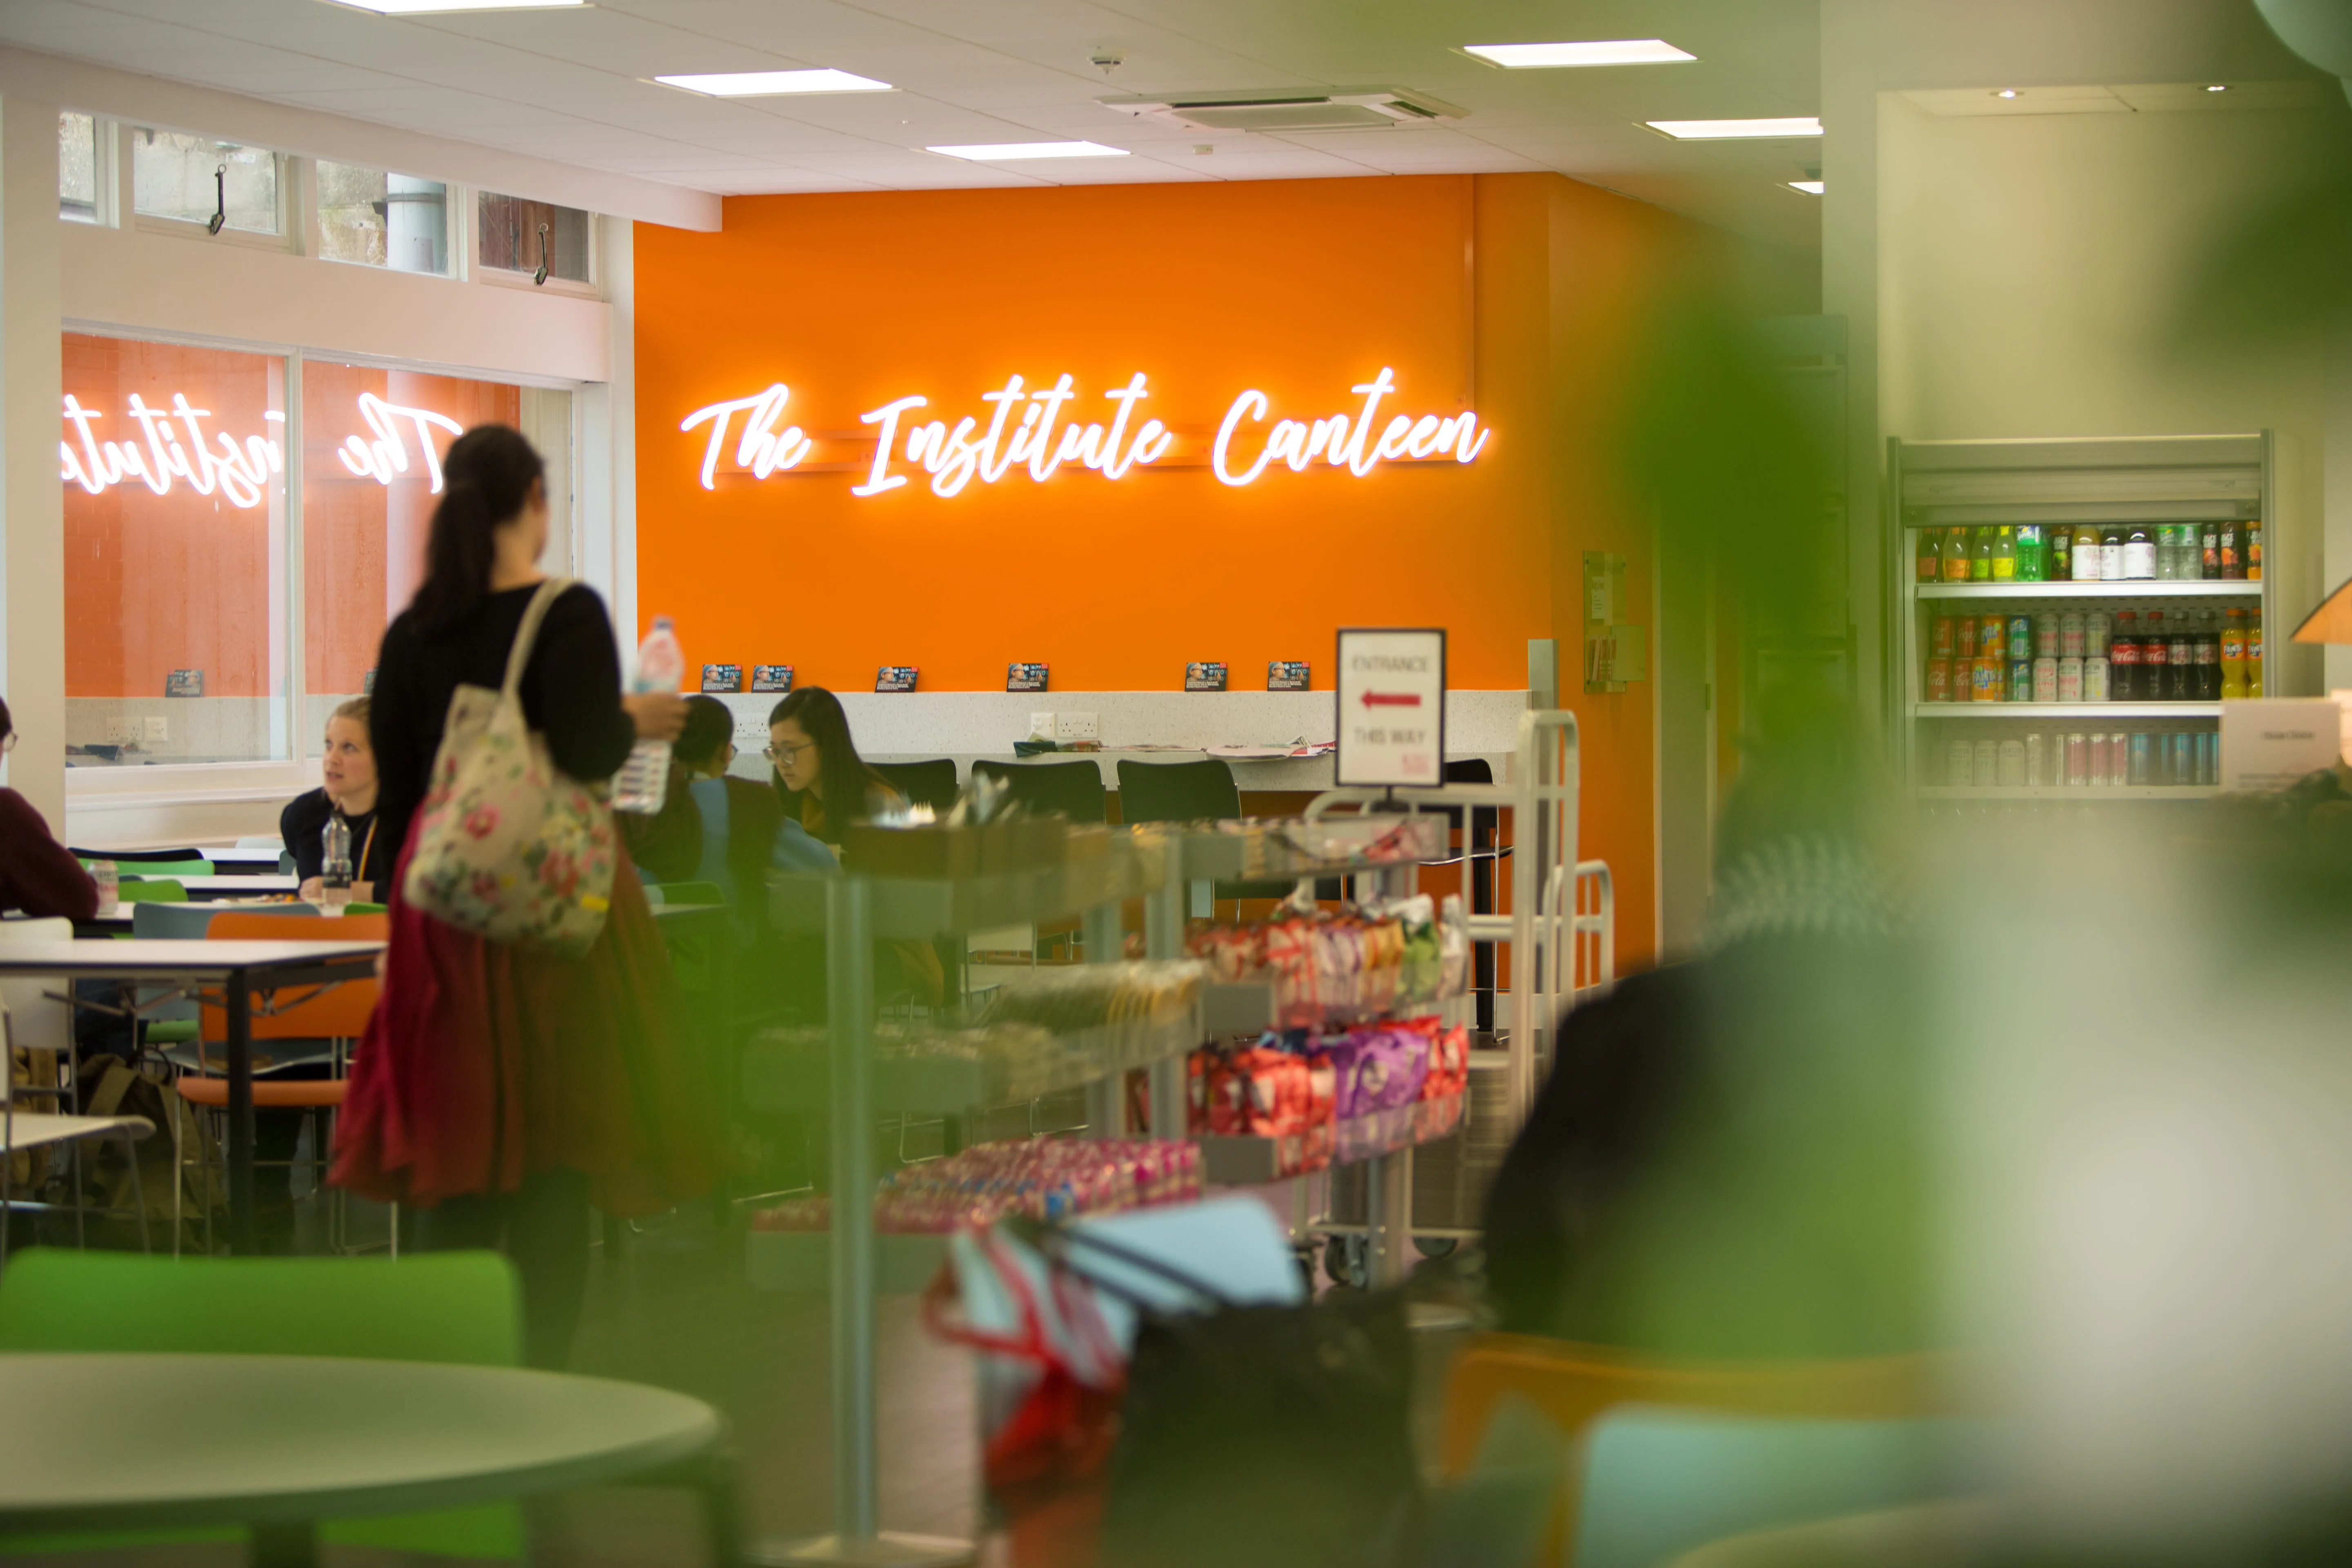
110 885
335 866
645 777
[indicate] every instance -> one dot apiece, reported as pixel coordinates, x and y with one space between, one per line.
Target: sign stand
1390 694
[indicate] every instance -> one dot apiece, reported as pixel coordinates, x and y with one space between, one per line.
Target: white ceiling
568 85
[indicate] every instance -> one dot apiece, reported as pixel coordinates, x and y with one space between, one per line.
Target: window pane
371 447
376 219
510 238
78 167
175 515
173 175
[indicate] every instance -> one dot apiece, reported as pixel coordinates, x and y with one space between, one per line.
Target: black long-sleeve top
303 824
571 692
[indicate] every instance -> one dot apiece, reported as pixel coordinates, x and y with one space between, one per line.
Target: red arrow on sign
1391 699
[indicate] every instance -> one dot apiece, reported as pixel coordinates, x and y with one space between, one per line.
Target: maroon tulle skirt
486 1062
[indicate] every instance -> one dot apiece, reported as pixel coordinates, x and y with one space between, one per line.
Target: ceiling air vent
1341 108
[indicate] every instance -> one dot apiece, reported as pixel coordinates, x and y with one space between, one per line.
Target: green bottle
2032 554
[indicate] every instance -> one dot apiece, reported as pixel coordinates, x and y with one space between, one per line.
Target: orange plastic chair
337 1012
1575 1384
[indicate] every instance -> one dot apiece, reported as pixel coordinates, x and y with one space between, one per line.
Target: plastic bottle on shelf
2111 555
1956 555
2167 552
2005 554
2087 557
2207 659
2123 658
2032 552
1981 557
643 783
2233 654
2140 555
2059 553
2234 563
2209 551
2253 655
2180 661
2254 549
1931 555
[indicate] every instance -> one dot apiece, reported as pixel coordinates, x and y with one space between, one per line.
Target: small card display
185 683
895 677
1024 678
1287 675
772 678
727 677
1207 675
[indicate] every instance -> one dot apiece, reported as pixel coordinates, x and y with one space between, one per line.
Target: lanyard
360 870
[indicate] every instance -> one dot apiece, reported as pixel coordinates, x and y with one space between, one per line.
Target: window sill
499 277
179 228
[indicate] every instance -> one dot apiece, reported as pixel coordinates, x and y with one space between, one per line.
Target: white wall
2031 267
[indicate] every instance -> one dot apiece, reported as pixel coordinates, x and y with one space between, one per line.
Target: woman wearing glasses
37 874
817 766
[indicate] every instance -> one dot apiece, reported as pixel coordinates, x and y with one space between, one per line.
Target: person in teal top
745 833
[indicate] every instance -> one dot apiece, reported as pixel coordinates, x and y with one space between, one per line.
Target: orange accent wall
1517 295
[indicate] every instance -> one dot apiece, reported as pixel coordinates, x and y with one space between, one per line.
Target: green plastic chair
463 1307
133 892
367 908
148 870
691 894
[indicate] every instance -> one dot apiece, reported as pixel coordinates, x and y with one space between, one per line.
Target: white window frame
105 176
290 205
592 289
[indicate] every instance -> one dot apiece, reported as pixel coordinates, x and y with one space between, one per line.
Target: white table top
272 883
141 1441
103 955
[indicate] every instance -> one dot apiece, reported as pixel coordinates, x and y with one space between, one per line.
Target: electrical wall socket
117 730
159 728
1041 726
1076 727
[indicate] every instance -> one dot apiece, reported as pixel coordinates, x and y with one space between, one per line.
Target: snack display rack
1347 834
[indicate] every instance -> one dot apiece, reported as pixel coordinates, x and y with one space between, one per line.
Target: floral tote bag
509 848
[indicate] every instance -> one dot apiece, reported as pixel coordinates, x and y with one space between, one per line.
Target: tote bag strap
528 633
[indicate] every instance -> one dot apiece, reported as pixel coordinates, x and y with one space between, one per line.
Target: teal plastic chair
463 1307
1660 1482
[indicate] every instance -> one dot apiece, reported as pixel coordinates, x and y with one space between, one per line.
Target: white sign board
2268 742
1391 697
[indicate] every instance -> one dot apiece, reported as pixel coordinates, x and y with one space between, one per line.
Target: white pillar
605 417
1849 30
32 500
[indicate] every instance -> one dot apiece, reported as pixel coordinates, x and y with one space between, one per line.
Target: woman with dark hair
37 874
500 1089
744 830
817 766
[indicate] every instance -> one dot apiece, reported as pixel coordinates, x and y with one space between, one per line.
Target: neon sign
172 447
1046 436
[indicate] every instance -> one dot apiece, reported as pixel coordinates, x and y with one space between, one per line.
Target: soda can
2045 680
1938 683
1940 637
1964 637
2037 763
2070 634
2021 680
1992 636
1960 759
2179 759
2070 680
2095 628
2012 762
2020 638
1986 764
1984 681
2118 758
2209 758
2142 769
2045 636
2099 750
2078 758
2095 680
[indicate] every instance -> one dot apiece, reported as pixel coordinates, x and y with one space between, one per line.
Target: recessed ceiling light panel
772 84
427 7
1811 187
1011 152
1594 52
1735 130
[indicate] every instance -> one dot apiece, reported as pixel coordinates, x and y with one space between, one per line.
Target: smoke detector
1285 110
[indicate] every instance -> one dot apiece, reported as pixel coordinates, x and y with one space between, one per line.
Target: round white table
278 1442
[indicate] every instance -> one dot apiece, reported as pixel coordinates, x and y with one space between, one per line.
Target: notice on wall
772 678
185 683
1391 700
895 677
722 678
1024 678
2269 743
1205 675
1287 675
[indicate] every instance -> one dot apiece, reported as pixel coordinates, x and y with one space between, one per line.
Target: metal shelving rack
1558 930
2062 483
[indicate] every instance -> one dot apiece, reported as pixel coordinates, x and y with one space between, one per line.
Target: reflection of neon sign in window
172 446
387 455
238 473
1040 441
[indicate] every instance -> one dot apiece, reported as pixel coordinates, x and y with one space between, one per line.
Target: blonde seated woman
348 769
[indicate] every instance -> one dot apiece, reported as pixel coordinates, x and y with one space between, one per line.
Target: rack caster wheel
1436 1245
1347 1260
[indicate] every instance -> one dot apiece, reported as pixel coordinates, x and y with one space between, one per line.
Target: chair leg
395 1233
138 1191
73 1167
